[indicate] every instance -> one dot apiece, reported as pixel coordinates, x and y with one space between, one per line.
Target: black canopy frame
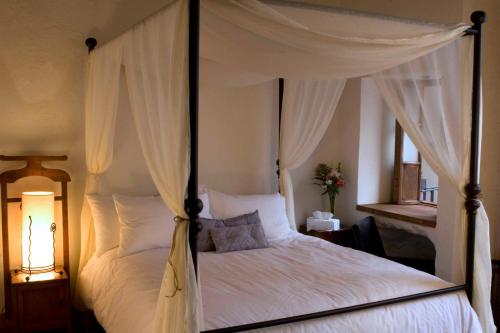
193 205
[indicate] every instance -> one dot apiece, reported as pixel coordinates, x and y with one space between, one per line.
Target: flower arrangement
330 180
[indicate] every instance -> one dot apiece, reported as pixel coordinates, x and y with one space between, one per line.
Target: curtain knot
93 182
178 219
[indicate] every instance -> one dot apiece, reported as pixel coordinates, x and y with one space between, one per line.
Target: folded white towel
322 215
314 223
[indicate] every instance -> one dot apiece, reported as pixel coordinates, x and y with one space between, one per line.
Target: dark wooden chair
366 238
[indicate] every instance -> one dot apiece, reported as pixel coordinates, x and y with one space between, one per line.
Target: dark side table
342 237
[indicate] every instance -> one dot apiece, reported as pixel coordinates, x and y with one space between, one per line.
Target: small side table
43 303
342 237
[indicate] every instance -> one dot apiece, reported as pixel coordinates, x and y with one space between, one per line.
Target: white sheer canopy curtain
431 98
101 102
305 44
156 67
154 55
308 108
301 43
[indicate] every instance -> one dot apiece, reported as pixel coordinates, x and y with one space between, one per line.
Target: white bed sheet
295 276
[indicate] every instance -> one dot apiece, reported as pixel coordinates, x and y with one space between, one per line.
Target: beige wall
238 142
340 144
239 138
445 11
376 146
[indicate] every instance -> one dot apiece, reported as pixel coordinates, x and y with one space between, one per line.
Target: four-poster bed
193 205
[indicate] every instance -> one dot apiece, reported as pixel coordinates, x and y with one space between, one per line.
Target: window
405 188
414 181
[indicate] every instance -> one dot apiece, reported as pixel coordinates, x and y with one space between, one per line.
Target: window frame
402 172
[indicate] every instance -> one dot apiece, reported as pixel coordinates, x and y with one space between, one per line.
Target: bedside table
43 303
342 237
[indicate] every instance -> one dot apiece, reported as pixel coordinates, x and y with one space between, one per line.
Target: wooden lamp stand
43 302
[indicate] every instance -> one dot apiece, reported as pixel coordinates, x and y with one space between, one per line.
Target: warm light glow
40 206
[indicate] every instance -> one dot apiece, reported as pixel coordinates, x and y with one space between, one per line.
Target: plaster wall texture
376 146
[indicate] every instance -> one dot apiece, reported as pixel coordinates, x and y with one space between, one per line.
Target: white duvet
297 275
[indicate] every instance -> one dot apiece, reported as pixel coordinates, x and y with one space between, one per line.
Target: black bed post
473 190
281 88
193 205
91 43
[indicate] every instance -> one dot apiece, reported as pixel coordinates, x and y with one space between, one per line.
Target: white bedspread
295 276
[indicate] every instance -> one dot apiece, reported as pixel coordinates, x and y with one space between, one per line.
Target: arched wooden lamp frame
33 168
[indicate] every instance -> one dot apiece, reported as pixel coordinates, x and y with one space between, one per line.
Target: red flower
340 182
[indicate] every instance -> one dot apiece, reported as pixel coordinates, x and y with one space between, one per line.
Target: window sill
424 215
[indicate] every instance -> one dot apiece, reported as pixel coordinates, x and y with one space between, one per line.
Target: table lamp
38 232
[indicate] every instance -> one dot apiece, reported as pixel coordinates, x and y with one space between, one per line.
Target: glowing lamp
38 230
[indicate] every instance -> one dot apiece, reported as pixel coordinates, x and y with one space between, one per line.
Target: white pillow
106 224
205 212
145 223
271 209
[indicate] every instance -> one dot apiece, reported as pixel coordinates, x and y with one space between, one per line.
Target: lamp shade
37 235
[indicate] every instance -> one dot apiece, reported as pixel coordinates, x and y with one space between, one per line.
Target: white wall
340 144
238 142
239 138
376 146
128 172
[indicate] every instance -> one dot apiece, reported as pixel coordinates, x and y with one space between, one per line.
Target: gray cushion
204 241
239 238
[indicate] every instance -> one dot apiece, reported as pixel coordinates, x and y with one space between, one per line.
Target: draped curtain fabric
308 108
301 44
101 103
431 99
156 67
154 54
274 41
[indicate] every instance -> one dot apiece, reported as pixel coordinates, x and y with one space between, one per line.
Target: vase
332 202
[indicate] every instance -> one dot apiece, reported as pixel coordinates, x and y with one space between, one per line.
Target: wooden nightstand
43 303
343 236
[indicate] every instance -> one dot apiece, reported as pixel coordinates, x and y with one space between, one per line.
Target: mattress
296 275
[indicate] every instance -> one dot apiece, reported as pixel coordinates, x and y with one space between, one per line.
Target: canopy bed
160 59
